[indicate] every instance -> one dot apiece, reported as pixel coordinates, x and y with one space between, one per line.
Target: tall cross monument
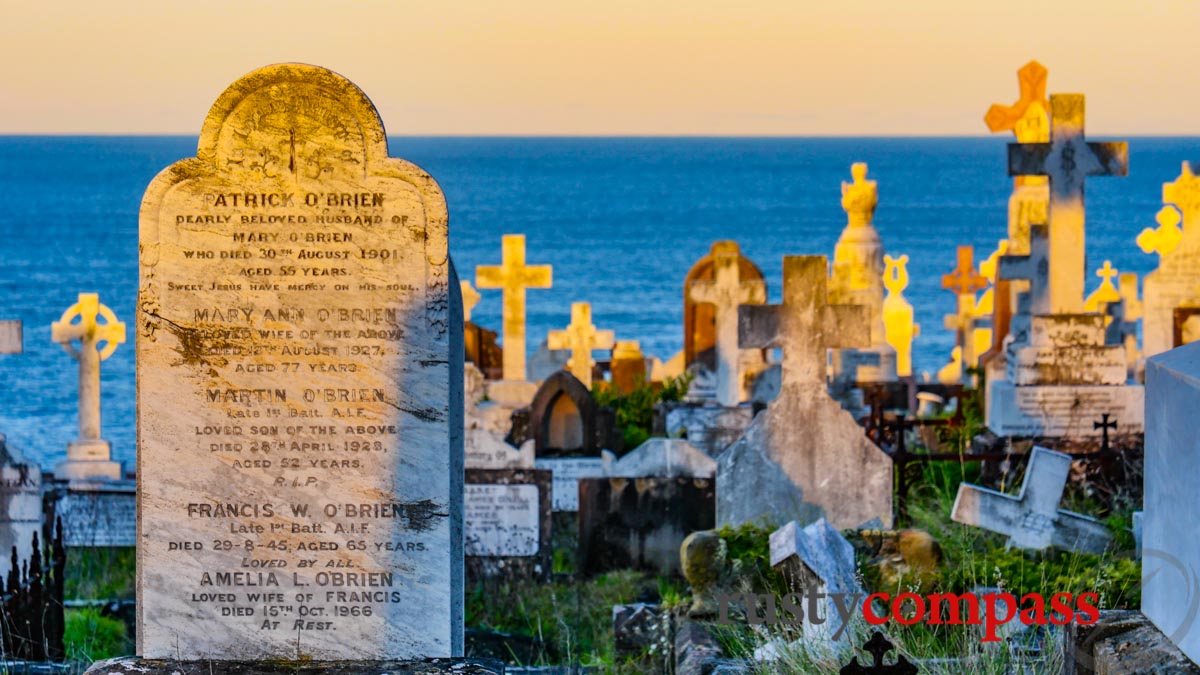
89 456
726 292
1067 159
514 276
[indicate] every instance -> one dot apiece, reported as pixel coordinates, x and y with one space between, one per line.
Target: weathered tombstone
300 393
566 421
804 457
710 428
479 343
639 523
89 457
514 276
664 457
96 514
725 293
21 497
1065 376
816 558
699 318
507 526
1032 519
10 337
857 279
581 338
1170 553
1175 283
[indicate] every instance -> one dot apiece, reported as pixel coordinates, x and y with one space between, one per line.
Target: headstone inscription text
300 490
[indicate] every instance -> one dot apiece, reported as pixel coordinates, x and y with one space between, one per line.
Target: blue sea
620 219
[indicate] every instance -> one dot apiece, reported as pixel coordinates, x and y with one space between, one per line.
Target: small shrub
90 637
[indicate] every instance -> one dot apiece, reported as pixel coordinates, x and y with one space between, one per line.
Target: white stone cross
1032 519
1068 159
582 338
805 326
89 450
10 337
470 298
1034 267
514 277
726 292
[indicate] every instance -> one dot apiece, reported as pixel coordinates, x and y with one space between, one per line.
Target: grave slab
507 525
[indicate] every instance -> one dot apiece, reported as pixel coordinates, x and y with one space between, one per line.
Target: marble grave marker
726 292
299 372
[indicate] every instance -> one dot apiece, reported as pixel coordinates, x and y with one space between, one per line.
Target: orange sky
662 67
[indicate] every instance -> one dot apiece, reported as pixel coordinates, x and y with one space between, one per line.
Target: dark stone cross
1068 159
878 646
1034 268
1104 425
805 325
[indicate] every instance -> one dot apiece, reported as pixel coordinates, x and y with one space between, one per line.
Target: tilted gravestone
299 371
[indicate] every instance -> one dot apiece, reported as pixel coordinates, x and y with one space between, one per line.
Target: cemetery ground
568 620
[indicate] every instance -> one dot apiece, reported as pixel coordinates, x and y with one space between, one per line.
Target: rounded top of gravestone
264 111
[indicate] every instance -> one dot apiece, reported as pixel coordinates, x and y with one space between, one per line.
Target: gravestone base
88 460
511 393
130 664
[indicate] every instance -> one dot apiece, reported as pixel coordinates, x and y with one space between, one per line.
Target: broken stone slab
133 665
1121 641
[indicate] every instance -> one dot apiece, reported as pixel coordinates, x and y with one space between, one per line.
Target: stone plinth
135 666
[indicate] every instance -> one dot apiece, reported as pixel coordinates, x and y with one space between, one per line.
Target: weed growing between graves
90 637
635 410
101 574
566 621
973 559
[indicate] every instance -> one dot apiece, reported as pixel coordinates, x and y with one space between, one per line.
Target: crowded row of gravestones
328 446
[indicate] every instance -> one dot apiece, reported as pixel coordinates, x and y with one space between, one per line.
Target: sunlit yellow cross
1165 238
582 338
1106 293
470 298
1027 118
1184 193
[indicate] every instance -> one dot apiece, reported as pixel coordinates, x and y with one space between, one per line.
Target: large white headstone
299 371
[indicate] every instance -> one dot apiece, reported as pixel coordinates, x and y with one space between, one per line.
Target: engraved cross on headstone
1034 267
1068 159
964 282
514 276
805 326
582 338
1032 519
1106 422
726 292
97 341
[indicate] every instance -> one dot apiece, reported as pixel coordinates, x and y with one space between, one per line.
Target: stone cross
1027 117
1106 293
470 298
1185 194
1034 267
582 338
1067 159
1032 519
514 277
805 326
1125 325
964 282
1164 238
10 337
90 333
726 292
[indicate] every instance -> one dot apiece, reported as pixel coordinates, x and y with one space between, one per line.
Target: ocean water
620 219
